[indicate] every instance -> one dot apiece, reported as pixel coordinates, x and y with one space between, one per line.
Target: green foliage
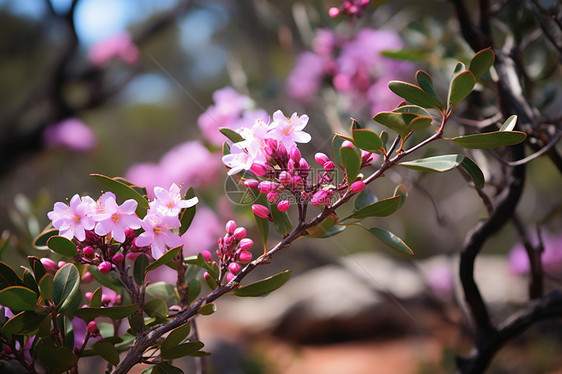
108 280
509 123
156 308
66 285
124 190
56 359
461 86
264 286
281 220
40 241
490 139
182 350
114 312
24 323
164 290
262 223
351 162
367 140
426 84
165 259
8 277
391 240
162 368
175 337
481 62
403 122
414 94
381 208
187 214
207 309
139 268
232 135
37 267
47 287
62 246
18 298
107 351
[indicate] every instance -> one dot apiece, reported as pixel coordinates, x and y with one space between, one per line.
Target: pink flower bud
273 196
230 227
207 255
329 166
319 198
284 178
129 233
347 143
333 12
357 186
283 205
60 264
260 210
118 258
234 267
88 251
239 233
251 183
88 295
244 257
87 277
206 275
291 165
297 181
303 165
49 264
246 244
295 154
92 327
105 299
105 267
321 158
258 169
267 186
230 276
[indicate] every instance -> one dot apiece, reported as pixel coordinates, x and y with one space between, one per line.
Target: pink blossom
170 202
118 46
440 280
518 260
71 133
234 268
115 219
157 233
306 77
105 267
321 158
237 160
73 220
289 130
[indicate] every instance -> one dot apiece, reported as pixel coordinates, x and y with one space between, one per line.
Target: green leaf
213 270
163 290
139 189
40 241
8 277
381 208
397 122
413 94
426 83
384 138
95 301
46 287
177 336
182 350
56 359
473 171
400 190
364 198
434 164
264 286
336 145
139 268
114 312
207 309
281 220
65 285
107 351
481 62
162 368
509 124
334 230
165 258
156 308
187 214
352 163
123 190
23 323
490 139
391 240
459 67
420 123
367 140
323 227
108 280
461 87
232 135
18 298
414 109
62 246
193 290
418 55
29 280
37 267
136 322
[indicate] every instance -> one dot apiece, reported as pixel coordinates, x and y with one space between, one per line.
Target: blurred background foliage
188 50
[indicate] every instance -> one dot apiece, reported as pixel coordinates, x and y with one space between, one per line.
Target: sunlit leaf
509 124
156 308
207 309
481 62
66 285
364 198
163 290
413 94
473 171
336 145
381 208
400 190
165 258
18 298
351 161
461 87
62 246
232 135
426 83
264 286
123 190
323 227
490 139
434 164
108 280
177 336
281 220
367 140
391 240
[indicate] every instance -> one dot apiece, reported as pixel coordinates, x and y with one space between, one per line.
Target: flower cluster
118 46
72 134
233 251
269 151
353 8
105 231
551 256
355 67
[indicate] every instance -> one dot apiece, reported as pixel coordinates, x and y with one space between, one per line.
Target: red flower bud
357 186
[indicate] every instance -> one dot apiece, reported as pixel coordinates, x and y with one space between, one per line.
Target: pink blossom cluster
269 151
120 47
551 257
230 110
188 164
350 8
98 225
72 134
233 251
355 66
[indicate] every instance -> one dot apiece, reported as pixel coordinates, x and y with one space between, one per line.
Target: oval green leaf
56 359
281 220
62 246
182 350
187 214
24 323
401 191
391 240
232 135
381 208
40 241
175 337
509 124
114 312
156 308
394 121
46 287
107 351
66 284
207 309
123 190
473 171
264 286
18 298
490 139
367 140
413 94
434 164
351 162
461 87
8 277
108 280
139 268
364 198
481 62
163 290
165 258
37 267
426 83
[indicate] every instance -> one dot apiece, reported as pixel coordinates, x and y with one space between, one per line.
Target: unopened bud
117 258
251 183
258 169
239 233
88 251
357 186
230 276
49 264
273 196
244 257
284 178
283 205
207 255
321 158
234 268
87 277
334 12
347 144
93 327
246 244
230 227
295 154
105 267
319 198
329 166
260 210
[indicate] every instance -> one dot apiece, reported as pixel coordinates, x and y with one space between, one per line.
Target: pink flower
115 219
73 220
105 267
157 233
304 81
71 133
170 202
118 46
289 130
